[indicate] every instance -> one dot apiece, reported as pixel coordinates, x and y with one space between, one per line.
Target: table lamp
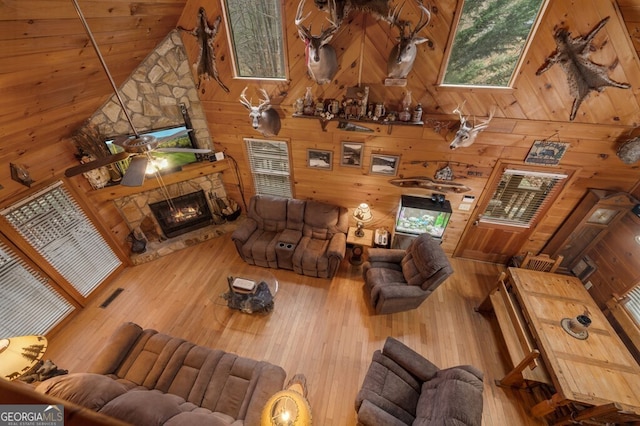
362 213
18 355
288 407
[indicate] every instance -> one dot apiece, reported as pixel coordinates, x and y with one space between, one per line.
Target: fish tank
418 215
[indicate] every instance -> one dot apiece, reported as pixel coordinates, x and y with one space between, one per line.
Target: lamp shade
362 213
20 354
288 407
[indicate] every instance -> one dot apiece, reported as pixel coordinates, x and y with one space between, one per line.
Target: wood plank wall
537 108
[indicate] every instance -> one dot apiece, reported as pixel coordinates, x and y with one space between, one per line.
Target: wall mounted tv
171 161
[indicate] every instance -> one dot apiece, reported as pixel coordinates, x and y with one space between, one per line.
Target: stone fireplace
182 214
136 209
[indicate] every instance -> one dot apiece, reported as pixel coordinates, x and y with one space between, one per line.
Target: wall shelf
360 121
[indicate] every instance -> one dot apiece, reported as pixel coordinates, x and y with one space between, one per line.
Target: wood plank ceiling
51 80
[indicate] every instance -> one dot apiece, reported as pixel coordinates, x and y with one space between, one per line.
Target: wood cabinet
587 225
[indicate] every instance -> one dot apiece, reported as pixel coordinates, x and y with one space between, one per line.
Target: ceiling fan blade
173 136
134 176
194 150
120 140
100 162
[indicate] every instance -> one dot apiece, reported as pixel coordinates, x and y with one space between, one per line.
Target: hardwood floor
321 328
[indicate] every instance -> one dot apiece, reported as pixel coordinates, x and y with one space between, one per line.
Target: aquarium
419 215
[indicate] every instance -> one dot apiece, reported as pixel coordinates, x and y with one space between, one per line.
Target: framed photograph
382 164
546 153
351 154
319 159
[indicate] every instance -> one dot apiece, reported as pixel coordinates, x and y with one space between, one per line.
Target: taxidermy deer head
629 151
468 132
263 118
322 62
403 54
377 8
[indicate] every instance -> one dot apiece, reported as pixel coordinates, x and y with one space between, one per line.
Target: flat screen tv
172 161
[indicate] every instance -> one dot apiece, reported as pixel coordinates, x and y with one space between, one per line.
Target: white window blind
520 196
28 303
269 162
55 226
632 304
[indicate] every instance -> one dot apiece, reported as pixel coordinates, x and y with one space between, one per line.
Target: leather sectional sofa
308 237
147 378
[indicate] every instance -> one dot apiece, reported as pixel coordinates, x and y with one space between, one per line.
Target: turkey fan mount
583 75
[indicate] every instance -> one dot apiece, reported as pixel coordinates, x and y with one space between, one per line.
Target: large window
490 38
520 196
269 162
256 38
28 302
55 226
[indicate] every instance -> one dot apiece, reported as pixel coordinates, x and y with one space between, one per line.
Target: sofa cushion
453 397
200 417
80 388
144 407
321 220
269 212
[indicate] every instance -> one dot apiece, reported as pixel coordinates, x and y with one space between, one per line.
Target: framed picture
546 153
319 159
382 164
351 154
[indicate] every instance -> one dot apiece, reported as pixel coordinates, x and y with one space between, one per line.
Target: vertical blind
55 226
520 196
28 303
269 162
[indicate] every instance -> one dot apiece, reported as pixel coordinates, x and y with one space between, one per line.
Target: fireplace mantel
188 172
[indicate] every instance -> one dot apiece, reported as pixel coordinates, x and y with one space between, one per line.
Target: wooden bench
527 368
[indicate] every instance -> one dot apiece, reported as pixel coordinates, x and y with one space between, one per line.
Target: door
516 198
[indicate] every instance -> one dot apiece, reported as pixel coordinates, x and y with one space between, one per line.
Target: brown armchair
402 387
400 280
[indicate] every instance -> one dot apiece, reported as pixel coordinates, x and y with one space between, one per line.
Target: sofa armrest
409 359
270 381
244 230
385 255
116 349
372 415
290 236
337 246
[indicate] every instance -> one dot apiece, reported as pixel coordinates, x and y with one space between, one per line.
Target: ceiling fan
138 147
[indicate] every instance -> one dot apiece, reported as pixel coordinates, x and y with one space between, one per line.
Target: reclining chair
402 387
400 280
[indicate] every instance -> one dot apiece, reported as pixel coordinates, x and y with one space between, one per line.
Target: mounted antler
322 62
467 133
404 53
263 118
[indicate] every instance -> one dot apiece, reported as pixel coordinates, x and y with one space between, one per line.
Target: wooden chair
541 262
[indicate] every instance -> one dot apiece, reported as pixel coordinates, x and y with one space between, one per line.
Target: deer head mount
263 118
468 132
322 62
377 8
403 54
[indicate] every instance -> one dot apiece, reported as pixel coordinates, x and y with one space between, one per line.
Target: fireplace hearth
189 212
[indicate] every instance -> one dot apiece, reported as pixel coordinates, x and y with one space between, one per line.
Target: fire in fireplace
189 212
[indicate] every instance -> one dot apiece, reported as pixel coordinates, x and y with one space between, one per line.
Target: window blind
55 226
269 161
28 303
632 304
520 196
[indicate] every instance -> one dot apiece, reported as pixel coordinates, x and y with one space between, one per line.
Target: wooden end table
358 244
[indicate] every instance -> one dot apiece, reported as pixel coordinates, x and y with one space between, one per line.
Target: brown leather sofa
400 280
402 387
308 237
147 378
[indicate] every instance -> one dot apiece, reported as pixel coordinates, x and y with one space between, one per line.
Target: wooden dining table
596 371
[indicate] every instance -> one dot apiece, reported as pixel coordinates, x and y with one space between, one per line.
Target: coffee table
253 293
